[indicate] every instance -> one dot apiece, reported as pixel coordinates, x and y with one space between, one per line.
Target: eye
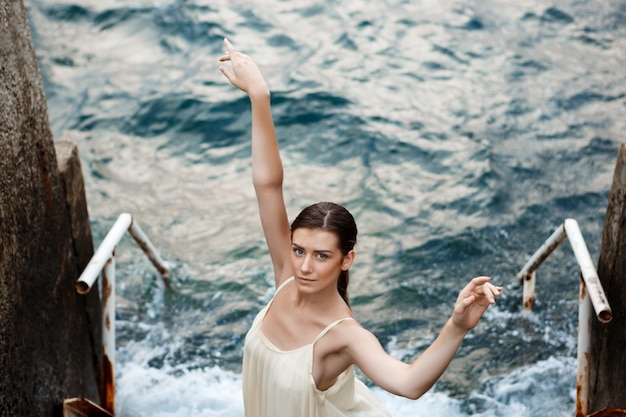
322 256
298 251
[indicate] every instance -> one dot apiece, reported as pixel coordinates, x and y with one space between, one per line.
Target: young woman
300 351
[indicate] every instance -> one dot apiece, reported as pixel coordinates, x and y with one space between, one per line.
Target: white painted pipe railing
592 298
104 261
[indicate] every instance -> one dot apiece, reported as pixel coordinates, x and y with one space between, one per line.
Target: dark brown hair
336 219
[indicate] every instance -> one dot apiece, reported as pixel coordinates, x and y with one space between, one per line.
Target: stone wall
49 335
607 382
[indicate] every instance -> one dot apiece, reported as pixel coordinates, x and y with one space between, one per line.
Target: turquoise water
460 134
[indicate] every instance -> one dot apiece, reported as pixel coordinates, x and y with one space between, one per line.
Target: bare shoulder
349 333
336 343
348 343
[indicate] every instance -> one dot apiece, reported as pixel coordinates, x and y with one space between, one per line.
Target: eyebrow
296 246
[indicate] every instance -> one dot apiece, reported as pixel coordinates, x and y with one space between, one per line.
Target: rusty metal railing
592 298
104 261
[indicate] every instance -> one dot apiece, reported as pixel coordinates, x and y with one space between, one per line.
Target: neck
324 299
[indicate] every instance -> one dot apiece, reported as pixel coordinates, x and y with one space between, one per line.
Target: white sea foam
214 392
168 393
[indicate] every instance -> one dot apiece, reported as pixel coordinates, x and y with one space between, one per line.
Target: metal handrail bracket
103 261
592 298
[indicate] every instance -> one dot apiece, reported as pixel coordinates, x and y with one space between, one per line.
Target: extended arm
267 168
413 380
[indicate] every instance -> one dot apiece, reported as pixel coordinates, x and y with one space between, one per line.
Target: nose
306 266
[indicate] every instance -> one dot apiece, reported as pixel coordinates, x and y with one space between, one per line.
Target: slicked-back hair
335 219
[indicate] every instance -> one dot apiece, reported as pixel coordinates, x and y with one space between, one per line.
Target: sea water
459 133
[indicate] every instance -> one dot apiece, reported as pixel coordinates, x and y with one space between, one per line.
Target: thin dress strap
330 326
285 282
280 287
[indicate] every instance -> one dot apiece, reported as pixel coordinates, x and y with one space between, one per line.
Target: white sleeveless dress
279 383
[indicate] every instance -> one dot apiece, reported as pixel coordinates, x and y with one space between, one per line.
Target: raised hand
244 74
473 301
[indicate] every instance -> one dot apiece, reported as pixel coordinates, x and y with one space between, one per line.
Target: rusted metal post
108 335
592 298
585 315
528 290
104 261
568 229
527 274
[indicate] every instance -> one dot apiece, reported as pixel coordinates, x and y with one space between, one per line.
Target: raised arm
267 168
415 379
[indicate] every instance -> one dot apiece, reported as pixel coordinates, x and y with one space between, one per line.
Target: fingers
229 51
473 286
491 292
467 301
475 282
463 305
482 287
227 73
229 46
474 300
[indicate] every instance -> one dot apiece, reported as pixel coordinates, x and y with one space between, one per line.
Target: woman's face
316 259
